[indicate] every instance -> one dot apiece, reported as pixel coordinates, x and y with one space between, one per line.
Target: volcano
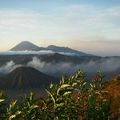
28 46
26 78
25 45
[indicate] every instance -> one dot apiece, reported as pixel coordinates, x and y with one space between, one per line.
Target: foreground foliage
72 99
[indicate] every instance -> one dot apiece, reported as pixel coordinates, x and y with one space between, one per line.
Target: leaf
59 105
13 104
11 117
74 84
84 83
58 91
33 107
51 85
31 96
67 93
1 100
72 77
15 115
91 85
65 86
98 92
51 96
62 80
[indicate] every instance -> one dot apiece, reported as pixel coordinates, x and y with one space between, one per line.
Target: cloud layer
41 52
65 68
72 21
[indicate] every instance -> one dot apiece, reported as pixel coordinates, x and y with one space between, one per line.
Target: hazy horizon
90 26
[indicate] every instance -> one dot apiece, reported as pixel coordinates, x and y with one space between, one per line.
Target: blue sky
49 4
89 25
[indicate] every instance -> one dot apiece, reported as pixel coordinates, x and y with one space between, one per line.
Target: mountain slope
25 45
26 78
66 50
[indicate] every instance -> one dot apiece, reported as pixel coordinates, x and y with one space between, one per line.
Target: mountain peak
25 42
54 46
25 78
25 45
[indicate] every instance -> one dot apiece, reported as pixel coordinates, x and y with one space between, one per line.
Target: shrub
72 99
90 99
2 105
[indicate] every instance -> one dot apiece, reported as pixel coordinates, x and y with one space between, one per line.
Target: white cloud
72 22
8 67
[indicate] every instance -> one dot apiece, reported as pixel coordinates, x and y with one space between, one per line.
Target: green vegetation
72 99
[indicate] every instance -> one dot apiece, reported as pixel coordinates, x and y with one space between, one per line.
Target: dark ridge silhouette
26 78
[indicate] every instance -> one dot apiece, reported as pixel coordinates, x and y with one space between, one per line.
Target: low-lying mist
65 68
31 52
8 67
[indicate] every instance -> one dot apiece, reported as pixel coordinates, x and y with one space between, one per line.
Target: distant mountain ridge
25 45
65 50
